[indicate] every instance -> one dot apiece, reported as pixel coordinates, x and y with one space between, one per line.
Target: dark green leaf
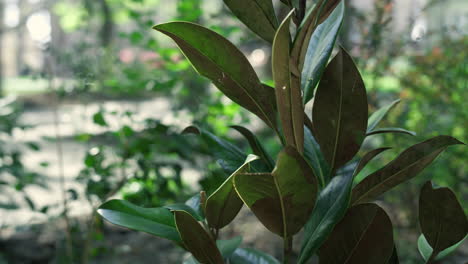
319 50
367 158
284 199
219 60
196 239
426 250
256 146
251 256
185 208
314 17
394 258
229 157
224 204
195 203
406 166
287 87
98 118
155 221
378 115
330 208
340 111
314 157
441 217
258 15
391 130
364 235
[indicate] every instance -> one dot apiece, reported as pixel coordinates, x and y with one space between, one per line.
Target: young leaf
196 239
426 250
224 204
364 235
340 111
258 15
314 157
315 17
284 199
390 130
319 50
219 60
251 256
256 146
441 217
378 115
155 221
406 166
228 155
331 206
287 87
367 158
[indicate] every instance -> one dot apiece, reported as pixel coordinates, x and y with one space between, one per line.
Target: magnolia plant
310 186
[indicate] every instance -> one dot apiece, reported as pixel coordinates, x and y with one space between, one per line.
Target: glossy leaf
378 115
426 250
390 130
367 158
284 199
313 18
364 235
196 239
155 221
185 208
287 87
256 146
441 218
319 50
251 256
314 157
219 60
331 206
258 15
195 203
229 157
406 166
224 204
340 111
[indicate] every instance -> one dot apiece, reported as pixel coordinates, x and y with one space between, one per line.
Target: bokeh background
92 102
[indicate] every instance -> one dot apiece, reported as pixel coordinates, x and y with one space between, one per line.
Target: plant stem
432 257
287 249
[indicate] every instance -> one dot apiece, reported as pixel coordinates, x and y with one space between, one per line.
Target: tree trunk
107 29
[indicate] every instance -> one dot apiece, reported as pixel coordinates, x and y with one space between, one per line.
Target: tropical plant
310 186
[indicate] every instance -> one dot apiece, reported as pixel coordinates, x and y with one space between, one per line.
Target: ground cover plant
310 184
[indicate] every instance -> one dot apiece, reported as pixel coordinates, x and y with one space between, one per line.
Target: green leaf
258 15
426 250
195 203
314 17
367 158
185 208
441 218
224 204
390 130
287 87
284 199
228 156
378 115
406 166
196 239
256 146
251 256
314 157
319 50
219 60
340 111
228 247
331 206
394 258
98 118
364 235
155 221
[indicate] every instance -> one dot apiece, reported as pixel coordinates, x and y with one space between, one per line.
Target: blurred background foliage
93 101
